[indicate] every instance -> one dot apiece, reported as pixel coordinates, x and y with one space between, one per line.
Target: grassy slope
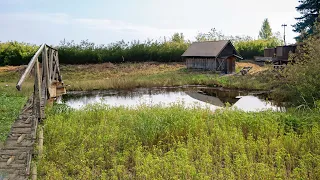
126 76
175 143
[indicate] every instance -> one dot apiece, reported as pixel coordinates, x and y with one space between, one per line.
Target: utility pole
284 33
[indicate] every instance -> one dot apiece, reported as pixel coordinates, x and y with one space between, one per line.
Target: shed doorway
231 65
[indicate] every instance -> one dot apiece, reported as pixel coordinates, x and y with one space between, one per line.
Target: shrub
250 48
301 82
15 53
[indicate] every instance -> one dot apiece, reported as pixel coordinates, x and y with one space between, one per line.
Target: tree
177 37
301 79
310 12
265 32
212 35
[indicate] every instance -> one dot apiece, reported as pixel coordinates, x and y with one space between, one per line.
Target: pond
203 97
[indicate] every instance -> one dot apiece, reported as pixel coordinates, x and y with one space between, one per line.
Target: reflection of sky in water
245 103
163 99
251 103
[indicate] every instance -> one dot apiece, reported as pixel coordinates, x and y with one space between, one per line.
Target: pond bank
121 76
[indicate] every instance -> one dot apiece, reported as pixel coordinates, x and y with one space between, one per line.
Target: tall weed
100 142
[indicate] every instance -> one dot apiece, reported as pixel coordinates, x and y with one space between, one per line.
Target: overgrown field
100 142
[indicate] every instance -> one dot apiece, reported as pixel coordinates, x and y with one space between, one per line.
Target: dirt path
16 154
255 67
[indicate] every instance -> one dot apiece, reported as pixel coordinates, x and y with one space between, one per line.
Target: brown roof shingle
205 49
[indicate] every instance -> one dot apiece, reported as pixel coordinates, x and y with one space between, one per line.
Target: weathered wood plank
13 165
14 150
21 124
14 143
21 130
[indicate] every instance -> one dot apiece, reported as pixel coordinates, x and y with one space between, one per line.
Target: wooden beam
45 63
38 91
58 67
50 63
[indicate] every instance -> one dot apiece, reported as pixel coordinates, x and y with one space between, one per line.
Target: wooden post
34 172
44 79
40 142
50 64
45 65
37 84
59 73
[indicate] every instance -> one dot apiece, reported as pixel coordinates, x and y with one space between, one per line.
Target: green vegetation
119 52
14 53
100 142
245 45
11 101
301 83
10 108
266 31
250 48
133 75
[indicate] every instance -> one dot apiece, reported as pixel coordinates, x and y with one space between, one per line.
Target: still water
200 97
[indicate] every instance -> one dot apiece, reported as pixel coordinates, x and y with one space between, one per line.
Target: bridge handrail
32 63
29 67
47 78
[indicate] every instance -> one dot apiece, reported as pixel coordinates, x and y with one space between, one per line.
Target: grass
11 100
100 142
10 107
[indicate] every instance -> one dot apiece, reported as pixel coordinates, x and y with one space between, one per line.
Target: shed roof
206 49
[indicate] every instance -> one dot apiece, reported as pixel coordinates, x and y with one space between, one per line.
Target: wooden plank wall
201 63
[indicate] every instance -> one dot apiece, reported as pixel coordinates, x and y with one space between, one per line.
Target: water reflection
190 97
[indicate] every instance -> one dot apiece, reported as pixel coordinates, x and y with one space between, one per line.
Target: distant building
212 55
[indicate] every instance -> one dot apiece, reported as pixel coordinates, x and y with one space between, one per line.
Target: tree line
15 53
85 52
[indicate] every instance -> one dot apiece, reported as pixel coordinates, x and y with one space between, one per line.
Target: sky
107 21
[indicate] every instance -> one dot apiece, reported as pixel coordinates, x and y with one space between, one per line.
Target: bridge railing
47 78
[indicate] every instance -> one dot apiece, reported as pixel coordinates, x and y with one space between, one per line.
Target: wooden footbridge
24 143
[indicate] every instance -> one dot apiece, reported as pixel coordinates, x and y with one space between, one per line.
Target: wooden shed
212 55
